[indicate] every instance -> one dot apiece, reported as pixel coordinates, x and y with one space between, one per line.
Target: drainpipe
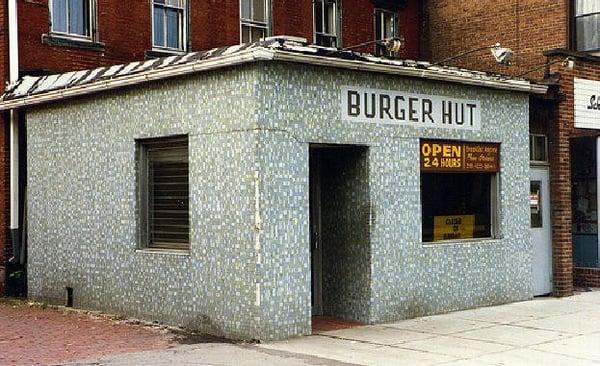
13 58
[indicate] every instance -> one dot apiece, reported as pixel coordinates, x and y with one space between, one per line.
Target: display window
459 183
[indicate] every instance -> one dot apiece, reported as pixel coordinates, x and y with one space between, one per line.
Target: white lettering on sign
587 103
406 109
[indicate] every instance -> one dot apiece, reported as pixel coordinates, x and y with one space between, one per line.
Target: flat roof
29 90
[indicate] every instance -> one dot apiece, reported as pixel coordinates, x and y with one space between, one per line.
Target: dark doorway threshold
322 324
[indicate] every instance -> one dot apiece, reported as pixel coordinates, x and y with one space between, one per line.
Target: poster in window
459 157
453 227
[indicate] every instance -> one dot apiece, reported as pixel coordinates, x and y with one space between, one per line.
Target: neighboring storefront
565 147
245 190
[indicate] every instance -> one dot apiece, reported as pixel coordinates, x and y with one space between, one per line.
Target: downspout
13 58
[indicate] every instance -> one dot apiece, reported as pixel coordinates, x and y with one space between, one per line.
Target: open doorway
340 235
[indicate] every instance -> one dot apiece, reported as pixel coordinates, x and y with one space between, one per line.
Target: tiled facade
247 274
123 33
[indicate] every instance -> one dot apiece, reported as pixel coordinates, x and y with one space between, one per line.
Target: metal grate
167 222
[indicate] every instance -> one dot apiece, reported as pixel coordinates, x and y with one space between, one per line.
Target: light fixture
502 55
568 62
392 44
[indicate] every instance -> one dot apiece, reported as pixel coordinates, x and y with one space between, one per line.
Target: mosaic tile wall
247 274
410 278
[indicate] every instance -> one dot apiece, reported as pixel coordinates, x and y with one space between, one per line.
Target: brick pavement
34 335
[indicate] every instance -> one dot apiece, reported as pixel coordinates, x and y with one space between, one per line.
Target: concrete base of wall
586 277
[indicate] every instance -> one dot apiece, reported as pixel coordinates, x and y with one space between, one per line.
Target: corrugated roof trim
35 90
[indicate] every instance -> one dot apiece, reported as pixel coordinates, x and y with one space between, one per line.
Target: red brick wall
214 23
586 277
293 18
529 27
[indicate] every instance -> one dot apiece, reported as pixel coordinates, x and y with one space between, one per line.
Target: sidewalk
545 331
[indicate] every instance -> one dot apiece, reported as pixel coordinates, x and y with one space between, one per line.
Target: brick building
64 35
557 43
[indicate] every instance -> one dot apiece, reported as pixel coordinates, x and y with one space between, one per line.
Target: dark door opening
340 228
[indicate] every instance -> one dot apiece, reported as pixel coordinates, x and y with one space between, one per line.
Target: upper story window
326 22
72 17
587 25
254 18
386 26
169 24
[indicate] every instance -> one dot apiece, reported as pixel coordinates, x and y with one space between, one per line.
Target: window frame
251 23
494 212
143 194
573 26
381 12
91 20
337 23
531 152
183 27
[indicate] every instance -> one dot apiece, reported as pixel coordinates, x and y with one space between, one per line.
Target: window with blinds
164 193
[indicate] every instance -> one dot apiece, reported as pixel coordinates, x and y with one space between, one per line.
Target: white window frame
577 15
531 153
337 24
183 26
381 12
250 23
92 21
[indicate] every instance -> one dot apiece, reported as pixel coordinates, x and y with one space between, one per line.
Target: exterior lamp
392 44
502 55
568 62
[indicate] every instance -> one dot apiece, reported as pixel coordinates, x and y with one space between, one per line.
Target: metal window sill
461 242
174 252
160 52
66 41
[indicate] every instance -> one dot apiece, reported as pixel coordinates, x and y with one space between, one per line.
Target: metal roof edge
507 84
266 54
243 57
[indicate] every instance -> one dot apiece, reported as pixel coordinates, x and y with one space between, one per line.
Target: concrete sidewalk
546 331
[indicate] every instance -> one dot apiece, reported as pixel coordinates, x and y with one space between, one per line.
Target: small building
244 190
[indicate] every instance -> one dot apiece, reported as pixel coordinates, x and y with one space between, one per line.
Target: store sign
457 156
453 227
587 103
406 109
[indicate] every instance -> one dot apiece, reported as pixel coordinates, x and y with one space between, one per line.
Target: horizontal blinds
168 194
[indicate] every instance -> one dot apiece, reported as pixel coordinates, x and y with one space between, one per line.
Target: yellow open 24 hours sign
459 157
453 227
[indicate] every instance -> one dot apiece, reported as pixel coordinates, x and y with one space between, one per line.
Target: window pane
330 18
537 148
318 17
535 203
378 30
587 33
245 9
259 13
389 26
456 206
159 1
159 27
173 28
59 16
257 34
245 34
78 17
586 7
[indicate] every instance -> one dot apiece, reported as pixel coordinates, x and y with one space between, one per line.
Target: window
163 183
587 25
72 17
254 16
458 190
538 148
326 22
169 27
535 203
386 26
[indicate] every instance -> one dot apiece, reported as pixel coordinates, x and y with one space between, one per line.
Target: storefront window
458 190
